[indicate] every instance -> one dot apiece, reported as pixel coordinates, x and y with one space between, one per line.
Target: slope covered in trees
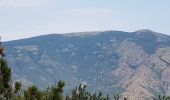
110 61
54 92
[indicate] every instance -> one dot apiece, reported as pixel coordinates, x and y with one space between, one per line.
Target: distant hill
134 64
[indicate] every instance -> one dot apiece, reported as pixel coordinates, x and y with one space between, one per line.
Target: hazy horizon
28 18
74 32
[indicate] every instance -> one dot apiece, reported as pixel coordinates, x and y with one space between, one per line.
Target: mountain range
133 64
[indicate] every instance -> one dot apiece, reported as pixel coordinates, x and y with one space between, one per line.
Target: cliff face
135 64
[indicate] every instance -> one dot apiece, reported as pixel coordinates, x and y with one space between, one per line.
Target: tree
17 87
17 91
32 93
80 93
57 91
5 77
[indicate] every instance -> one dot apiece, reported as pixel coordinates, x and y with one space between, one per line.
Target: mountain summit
129 63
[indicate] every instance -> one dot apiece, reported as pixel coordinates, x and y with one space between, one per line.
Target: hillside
134 64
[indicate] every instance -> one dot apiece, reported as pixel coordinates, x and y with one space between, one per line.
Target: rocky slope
134 64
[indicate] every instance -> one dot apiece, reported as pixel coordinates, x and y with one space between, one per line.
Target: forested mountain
134 64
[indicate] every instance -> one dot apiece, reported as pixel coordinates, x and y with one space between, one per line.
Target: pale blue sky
27 18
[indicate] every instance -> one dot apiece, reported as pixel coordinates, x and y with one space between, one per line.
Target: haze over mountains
134 64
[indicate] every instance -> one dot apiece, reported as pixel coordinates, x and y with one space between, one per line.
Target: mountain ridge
92 32
111 61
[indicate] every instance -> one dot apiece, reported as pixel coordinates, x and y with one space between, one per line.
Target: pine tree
32 93
17 87
5 76
57 91
17 91
80 93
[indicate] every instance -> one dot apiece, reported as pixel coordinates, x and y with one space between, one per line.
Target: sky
27 18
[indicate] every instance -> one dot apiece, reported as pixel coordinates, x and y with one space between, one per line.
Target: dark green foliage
61 84
57 91
5 79
17 87
32 93
80 93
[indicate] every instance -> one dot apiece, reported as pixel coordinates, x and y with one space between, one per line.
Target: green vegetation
80 93
5 80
